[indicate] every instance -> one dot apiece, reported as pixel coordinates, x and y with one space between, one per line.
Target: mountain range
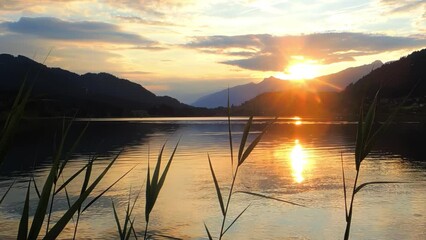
239 94
59 92
394 80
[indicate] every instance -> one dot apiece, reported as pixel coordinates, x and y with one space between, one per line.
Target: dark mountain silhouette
239 94
395 80
57 92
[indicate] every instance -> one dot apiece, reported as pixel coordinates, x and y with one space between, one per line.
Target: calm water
297 160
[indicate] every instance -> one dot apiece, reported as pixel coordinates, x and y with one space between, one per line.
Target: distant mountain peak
242 93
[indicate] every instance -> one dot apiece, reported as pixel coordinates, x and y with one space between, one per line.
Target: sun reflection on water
297 121
298 162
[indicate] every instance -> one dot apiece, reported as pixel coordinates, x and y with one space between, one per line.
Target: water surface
298 160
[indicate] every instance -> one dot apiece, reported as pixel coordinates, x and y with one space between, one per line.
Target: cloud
159 8
57 29
273 53
135 19
398 6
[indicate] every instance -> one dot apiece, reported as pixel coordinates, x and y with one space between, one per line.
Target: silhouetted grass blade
268 197
359 140
62 222
166 169
71 178
376 182
107 189
35 187
23 223
7 191
72 149
117 220
208 232
344 187
232 223
45 194
216 184
244 137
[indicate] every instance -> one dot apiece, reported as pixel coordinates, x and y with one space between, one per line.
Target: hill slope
240 94
59 92
395 79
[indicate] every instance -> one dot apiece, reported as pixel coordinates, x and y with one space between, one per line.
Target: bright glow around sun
300 71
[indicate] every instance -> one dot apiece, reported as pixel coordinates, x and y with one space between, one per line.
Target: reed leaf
7 191
72 149
35 187
216 184
71 178
231 148
271 198
373 183
359 140
62 222
208 232
107 189
23 223
344 187
147 195
43 202
232 223
155 184
166 169
244 137
255 142
117 220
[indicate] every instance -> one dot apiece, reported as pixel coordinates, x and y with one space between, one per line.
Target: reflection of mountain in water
100 138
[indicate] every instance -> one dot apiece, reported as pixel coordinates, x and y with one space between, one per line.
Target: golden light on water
298 162
297 121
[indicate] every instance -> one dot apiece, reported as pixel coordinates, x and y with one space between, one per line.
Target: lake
297 160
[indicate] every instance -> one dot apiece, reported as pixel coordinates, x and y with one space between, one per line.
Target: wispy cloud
135 19
398 6
273 53
54 28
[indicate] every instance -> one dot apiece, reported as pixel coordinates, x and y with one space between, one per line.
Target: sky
187 48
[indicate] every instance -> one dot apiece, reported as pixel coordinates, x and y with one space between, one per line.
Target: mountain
394 79
57 92
239 94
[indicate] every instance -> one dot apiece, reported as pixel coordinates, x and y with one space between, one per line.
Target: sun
299 71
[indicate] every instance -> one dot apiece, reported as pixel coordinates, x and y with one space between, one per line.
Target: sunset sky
186 49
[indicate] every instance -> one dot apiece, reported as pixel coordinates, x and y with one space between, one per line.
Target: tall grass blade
156 174
244 137
271 198
41 210
127 219
107 189
72 149
7 191
372 183
208 232
166 169
71 178
148 196
231 148
232 223
216 184
359 140
23 223
117 220
131 229
62 222
344 187
254 143
35 187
